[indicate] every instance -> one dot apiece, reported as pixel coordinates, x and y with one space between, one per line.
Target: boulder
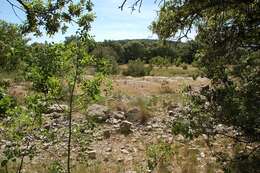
113 121
119 115
98 112
57 108
124 151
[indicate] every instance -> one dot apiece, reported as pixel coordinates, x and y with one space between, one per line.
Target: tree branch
24 5
13 5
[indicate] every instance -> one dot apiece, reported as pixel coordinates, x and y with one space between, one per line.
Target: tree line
144 49
17 54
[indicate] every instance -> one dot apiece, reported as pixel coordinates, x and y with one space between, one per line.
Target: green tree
166 50
134 50
19 122
118 48
13 46
106 58
45 61
228 40
186 51
104 51
53 16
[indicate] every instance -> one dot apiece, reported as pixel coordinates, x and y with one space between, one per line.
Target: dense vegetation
228 53
124 50
18 55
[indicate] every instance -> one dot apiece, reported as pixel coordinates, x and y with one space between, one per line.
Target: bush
137 68
114 68
106 65
177 62
55 167
159 154
6 102
145 113
5 83
160 61
184 66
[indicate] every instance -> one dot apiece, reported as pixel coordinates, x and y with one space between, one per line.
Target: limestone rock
57 108
98 112
118 115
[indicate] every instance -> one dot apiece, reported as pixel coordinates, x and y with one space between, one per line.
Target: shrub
159 154
55 167
140 112
177 62
5 83
113 68
145 112
137 68
160 61
107 65
184 66
6 102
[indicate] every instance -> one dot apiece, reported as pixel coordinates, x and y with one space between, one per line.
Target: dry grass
175 71
170 71
151 85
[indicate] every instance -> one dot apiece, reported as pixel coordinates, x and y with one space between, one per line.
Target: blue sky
111 23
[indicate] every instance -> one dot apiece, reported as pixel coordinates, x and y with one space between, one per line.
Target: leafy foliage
6 103
50 68
19 122
106 58
159 154
124 50
228 54
46 61
53 16
159 61
137 68
12 46
55 167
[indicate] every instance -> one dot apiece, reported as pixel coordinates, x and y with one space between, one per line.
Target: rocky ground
111 138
